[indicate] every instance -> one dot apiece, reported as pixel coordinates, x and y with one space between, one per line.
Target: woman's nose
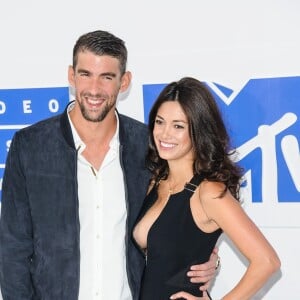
166 132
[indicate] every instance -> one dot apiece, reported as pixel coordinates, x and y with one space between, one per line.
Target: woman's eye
179 126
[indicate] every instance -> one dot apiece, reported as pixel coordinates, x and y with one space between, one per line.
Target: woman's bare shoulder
211 189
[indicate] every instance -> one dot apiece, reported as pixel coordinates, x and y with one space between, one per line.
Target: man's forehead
88 57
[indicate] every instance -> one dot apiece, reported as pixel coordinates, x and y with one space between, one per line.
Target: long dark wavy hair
214 156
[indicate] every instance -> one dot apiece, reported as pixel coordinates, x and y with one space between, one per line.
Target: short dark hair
210 140
101 43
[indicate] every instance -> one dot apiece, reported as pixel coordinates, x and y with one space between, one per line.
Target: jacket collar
67 130
66 127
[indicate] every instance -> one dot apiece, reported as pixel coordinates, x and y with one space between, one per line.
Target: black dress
174 243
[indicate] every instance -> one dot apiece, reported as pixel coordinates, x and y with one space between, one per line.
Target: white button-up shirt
102 215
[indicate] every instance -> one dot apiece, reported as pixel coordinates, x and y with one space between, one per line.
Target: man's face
97 81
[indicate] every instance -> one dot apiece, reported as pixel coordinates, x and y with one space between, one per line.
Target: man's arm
15 231
203 273
206 272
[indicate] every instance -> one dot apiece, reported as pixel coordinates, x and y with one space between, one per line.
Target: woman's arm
228 214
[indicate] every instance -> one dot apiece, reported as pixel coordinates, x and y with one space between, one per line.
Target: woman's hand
187 296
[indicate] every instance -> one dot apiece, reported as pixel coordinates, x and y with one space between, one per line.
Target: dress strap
194 182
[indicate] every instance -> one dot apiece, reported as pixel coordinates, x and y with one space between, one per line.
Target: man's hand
187 296
205 272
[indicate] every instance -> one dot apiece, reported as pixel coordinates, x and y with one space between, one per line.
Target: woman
193 198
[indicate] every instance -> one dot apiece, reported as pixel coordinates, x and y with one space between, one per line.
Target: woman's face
171 133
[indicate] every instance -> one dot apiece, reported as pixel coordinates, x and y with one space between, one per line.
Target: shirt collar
80 145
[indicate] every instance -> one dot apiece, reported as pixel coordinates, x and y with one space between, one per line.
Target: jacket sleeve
16 241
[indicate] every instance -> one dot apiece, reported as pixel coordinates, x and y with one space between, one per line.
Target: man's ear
71 76
125 81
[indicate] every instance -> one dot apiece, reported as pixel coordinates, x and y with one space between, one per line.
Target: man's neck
95 132
96 136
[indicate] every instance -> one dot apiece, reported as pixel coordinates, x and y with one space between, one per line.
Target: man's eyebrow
83 71
111 74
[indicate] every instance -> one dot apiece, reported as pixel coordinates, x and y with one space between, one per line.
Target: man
72 189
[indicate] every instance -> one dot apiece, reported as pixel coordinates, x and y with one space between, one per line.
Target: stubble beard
108 105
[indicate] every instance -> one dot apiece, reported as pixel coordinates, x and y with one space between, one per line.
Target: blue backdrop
22 107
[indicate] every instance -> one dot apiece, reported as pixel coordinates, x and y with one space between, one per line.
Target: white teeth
167 145
93 102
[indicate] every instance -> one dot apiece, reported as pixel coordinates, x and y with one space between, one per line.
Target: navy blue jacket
39 225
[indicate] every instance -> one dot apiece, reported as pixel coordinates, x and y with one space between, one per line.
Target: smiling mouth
167 145
94 99
94 102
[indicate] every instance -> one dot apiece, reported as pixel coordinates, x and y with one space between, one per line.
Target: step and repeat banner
22 107
247 54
